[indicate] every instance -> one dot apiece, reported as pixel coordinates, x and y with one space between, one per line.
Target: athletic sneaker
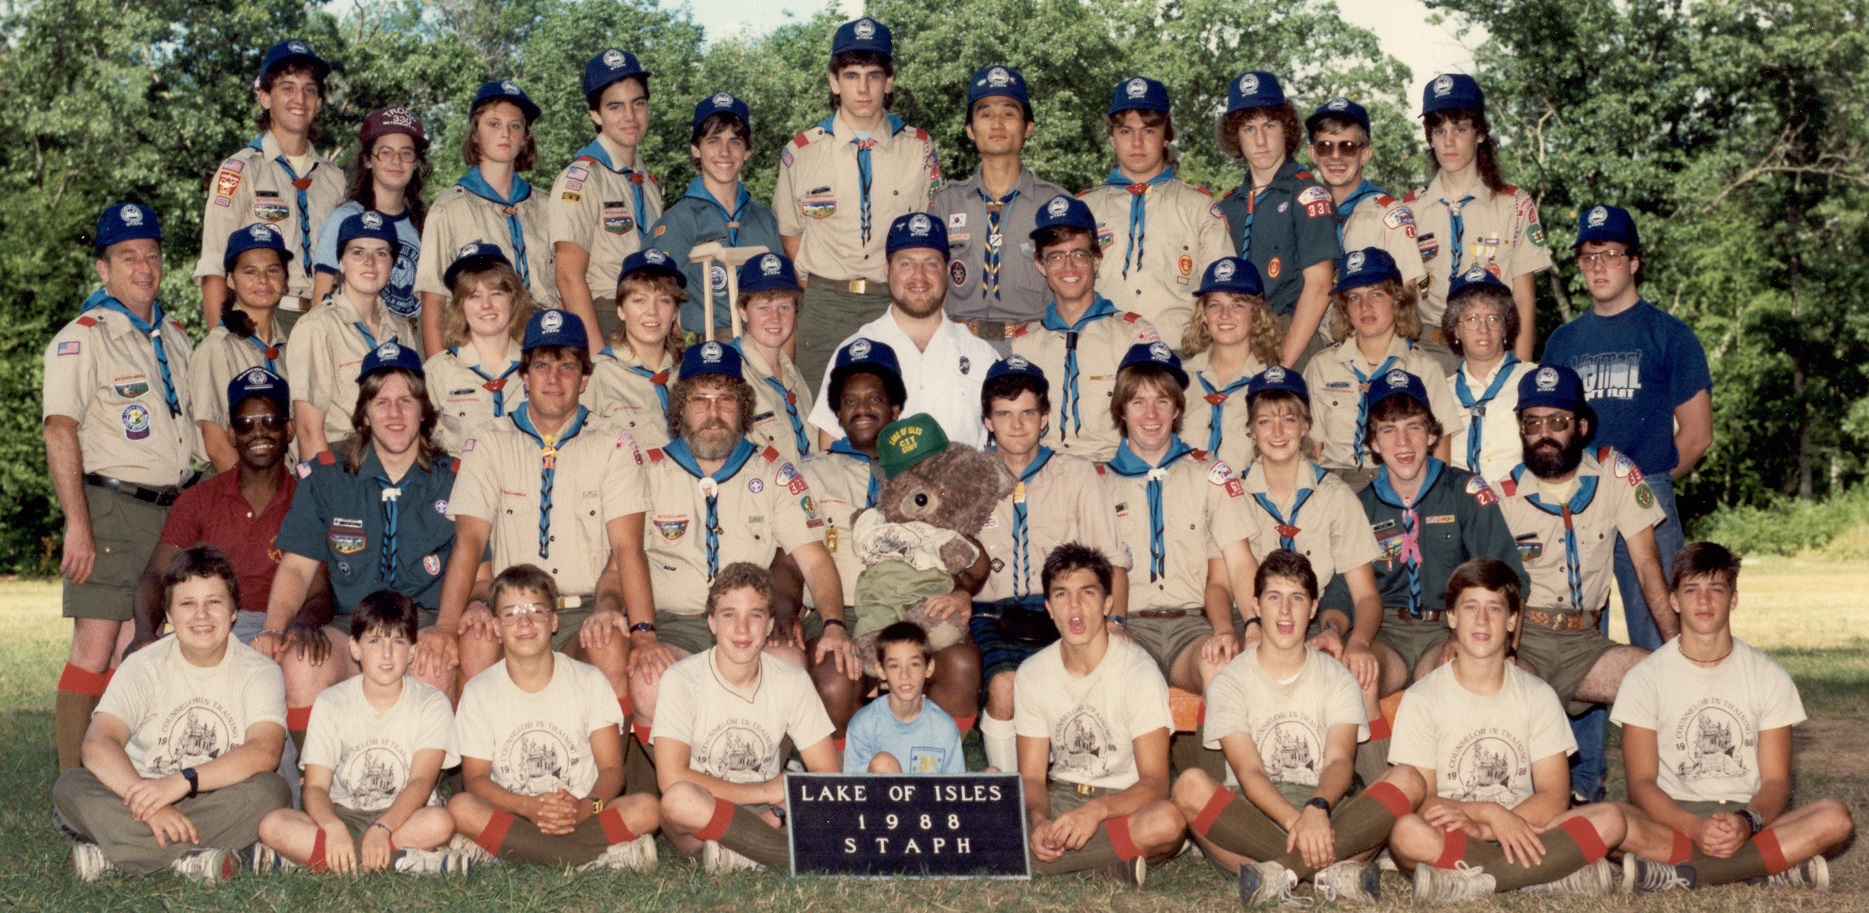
267 861
64 829
638 855
1462 882
1641 875
471 853
1265 882
209 867
1599 877
1351 881
716 859
443 861
1813 873
1385 862
1130 873
88 862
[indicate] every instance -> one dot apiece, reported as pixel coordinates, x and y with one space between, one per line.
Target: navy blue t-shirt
1637 368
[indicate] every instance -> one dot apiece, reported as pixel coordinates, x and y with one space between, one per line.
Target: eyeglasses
523 612
1331 148
247 424
1556 424
1480 320
387 155
1601 258
1074 257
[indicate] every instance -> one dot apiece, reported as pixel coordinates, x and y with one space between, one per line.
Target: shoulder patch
1313 194
1481 492
87 321
1400 217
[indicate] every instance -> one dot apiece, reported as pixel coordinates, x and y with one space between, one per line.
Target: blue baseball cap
509 91
1342 109
1256 89
257 381
917 229
1451 90
867 356
768 273
474 255
125 222
1138 93
388 356
1231 274
1155 353
1551 387
1064 211
652 260
258 236
998 82
554 328
712 358
289 51
368 225
1607 223
608 67
721 103
1360 268
1277 378
863 34
1396 382
1475 279
1018 366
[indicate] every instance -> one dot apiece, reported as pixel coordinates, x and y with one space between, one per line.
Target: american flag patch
68 348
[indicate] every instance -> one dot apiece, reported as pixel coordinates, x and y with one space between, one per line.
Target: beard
1548 460
922 306
712 441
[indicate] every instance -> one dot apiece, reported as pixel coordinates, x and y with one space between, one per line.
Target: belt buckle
1085 789
572 602
859 286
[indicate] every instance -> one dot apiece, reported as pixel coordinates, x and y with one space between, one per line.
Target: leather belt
1083 789
1162 613
1423 615
1563 621
988 330
853 286
161 497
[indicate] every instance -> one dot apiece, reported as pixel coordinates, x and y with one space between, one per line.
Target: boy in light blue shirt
901 732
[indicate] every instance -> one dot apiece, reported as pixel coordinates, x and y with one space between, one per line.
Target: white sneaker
88 862
471 853
1641 875
1386 862
209 867
638 855
1265 882
443 861
1813 873
267 861
1351 881
716 859
1597 878
1462 882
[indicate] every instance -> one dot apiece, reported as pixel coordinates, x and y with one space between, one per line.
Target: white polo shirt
943 381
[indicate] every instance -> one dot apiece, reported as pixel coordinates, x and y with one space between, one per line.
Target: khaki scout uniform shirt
787 432
462 389
1062 500
101 372
1499 231
819 194
1609 498
604 208
636 402
1337 397
761 504
1202 513
841 479
964 207
1233 442
1095 346
596 477
1183 234
219 359
459 216
1327 526
1383 221
256 185
325 360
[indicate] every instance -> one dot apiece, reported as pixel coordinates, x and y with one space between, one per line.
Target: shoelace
1660 876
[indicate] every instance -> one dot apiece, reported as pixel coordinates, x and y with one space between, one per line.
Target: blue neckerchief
1126 464
477 185
1476 405
865 176
1411 550
1362 399
1021 536
661 386
1456 226
269 354
843 445
1573 562
493 385
548 465
800 437
1070 405
1287 527
1362 192
151 328
990 251
386 558
678 451
601 155
1138 211
299 185
1216 400
698 190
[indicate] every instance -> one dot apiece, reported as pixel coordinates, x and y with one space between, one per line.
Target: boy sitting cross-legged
374 749
540 747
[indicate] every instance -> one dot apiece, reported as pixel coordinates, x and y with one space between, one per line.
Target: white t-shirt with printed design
537 742
184 715
734 735
1289 722
1481 747
370 752
1092 721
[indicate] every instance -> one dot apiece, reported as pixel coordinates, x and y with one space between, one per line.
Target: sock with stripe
1570 846
1361 823
298 719
1238 826
1109 845
743 831
79 691
511 837
1756 858
316 861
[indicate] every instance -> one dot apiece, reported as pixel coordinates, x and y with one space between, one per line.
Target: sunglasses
247 424
1557 424
1331 148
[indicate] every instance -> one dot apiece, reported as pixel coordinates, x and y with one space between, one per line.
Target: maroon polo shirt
215 513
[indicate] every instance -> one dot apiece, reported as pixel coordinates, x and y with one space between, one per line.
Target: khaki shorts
125 531
570 621
1411 639
355 821
1167 638
1563 659
1709 809
683 632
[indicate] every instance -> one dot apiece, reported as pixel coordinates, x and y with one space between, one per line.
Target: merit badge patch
809 506
671 530
617 218
135 420
1644 496
269 208
431 564
755 485
441 506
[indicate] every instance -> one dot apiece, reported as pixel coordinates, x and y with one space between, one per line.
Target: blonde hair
653 283
1262 333
1283 402
1407 311
503 278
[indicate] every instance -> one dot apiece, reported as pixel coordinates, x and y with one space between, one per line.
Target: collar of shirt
600 151
842 445
627 356
1437 190
1098 310
1385 492
109 310
1399 346
469 355
1256 481
477 185
1285 178
1480 381
224 489
268 145
697 189
1126 463
882 136
678 451
975 184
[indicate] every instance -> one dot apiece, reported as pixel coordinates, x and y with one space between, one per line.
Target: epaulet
1383 199
1198 454
1509 486
177 324
802 140
919 134
454 466
1084 193
1228 195
1201 190
1018 329
1131 316
1603 453
1304 175
585 158
771 454
1102 470
1508 190
326 458
87 321
656 455
1411 196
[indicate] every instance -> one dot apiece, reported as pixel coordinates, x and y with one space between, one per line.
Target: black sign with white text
945 826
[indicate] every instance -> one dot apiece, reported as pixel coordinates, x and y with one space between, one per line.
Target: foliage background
1735 129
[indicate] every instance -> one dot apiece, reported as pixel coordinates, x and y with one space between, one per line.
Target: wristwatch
194 782
1318 802
1753 820
642 626
597 807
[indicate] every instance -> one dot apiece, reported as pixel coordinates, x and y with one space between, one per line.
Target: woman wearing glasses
387 177
1481 324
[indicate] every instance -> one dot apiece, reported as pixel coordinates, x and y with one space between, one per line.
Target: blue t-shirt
1637 368
928 744
399 296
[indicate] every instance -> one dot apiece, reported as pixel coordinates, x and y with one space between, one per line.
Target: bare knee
1414 840
686 808
1834 822
1192 791
885 763
1157 826
999 696
1407 779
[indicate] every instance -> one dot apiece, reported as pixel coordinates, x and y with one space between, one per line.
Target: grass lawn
1814 618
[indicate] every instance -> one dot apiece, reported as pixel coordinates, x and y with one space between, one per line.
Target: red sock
316 863
1118 829
623 702
1390 795
1769 851
1379 730
1581 830
494 834
1682 850
298 719
717 825
838 744
966 722
1210 813
615 830
1453 849
642 731
80 680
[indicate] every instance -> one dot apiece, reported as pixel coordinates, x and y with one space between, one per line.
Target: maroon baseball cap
384 121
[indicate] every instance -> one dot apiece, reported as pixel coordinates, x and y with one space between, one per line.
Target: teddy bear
935 496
